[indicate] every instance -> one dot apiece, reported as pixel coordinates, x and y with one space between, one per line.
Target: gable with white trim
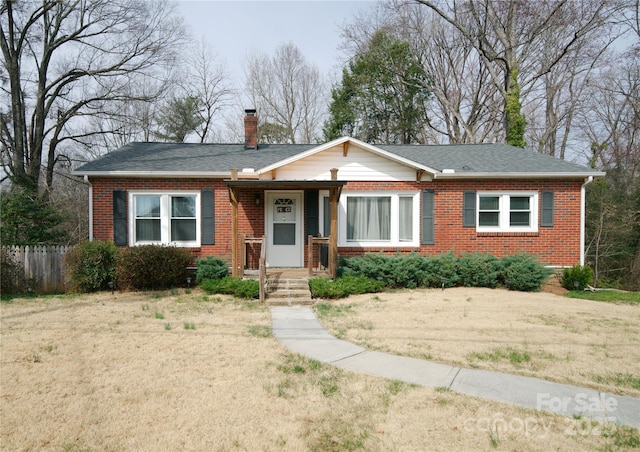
356 164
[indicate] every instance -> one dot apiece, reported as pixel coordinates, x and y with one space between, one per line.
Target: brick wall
103 207
558 245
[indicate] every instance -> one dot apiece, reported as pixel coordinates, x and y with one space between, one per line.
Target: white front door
284 228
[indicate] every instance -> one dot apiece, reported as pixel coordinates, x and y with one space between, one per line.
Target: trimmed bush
90 266
576 277
393 271
519 272
523 272
478 270
374 266
344 286
153 267
210 268
239 288
407 271
440 270
326 288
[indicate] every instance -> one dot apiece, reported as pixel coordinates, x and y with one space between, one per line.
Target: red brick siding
558 245
103 207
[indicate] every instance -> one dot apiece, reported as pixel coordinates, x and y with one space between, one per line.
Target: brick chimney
250 129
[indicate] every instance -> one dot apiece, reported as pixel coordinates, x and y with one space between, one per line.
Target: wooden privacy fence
43 266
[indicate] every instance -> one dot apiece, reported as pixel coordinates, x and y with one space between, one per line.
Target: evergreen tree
181 117
382 96
28 219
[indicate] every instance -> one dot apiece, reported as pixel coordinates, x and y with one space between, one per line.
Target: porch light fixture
257 199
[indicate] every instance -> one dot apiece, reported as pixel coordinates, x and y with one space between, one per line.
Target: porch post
334 195
233 197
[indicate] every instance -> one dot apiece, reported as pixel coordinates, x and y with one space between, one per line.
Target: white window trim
165 218
504 206
394 231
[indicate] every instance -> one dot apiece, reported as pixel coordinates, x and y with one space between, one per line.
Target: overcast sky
237 28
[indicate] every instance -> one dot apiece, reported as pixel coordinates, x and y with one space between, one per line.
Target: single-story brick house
429 199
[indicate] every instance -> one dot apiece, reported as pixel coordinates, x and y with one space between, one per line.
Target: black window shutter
311 213
546 219
427 217
469 209
207 213
120 217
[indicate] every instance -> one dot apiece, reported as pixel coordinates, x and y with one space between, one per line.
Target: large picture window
368 218
165 218
375 219
504 212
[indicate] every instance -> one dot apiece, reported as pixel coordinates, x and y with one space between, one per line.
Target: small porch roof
287 184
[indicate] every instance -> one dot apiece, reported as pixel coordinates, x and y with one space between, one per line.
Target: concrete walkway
297 327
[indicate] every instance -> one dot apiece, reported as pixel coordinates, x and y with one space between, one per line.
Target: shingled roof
217 160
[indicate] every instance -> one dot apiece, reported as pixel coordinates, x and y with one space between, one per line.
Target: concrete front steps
288 291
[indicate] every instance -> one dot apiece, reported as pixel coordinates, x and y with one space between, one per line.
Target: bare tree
132 119
610 124
466 106
612 120
510 39
207 81
287 91
66 61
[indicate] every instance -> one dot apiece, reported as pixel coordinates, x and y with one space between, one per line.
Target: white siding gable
358 165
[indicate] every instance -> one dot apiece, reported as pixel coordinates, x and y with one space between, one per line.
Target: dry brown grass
541 335
103 372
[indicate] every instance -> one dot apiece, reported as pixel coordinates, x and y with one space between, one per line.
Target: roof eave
156 174
525 175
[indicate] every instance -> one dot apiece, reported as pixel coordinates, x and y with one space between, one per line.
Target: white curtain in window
368 218
406 219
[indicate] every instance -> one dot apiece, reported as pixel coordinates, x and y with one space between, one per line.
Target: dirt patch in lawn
176 371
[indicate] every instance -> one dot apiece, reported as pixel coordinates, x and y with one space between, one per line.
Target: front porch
275 226
281 284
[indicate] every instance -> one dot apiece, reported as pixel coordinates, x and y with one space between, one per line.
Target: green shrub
344 286
326 288
393 271
576 277
359 284
374 266
407 271
440 270
239 288
210 268
478 270
523 272
153 267
518 272
12 278
90 266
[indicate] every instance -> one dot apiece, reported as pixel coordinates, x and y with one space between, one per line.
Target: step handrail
262 269
314 242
